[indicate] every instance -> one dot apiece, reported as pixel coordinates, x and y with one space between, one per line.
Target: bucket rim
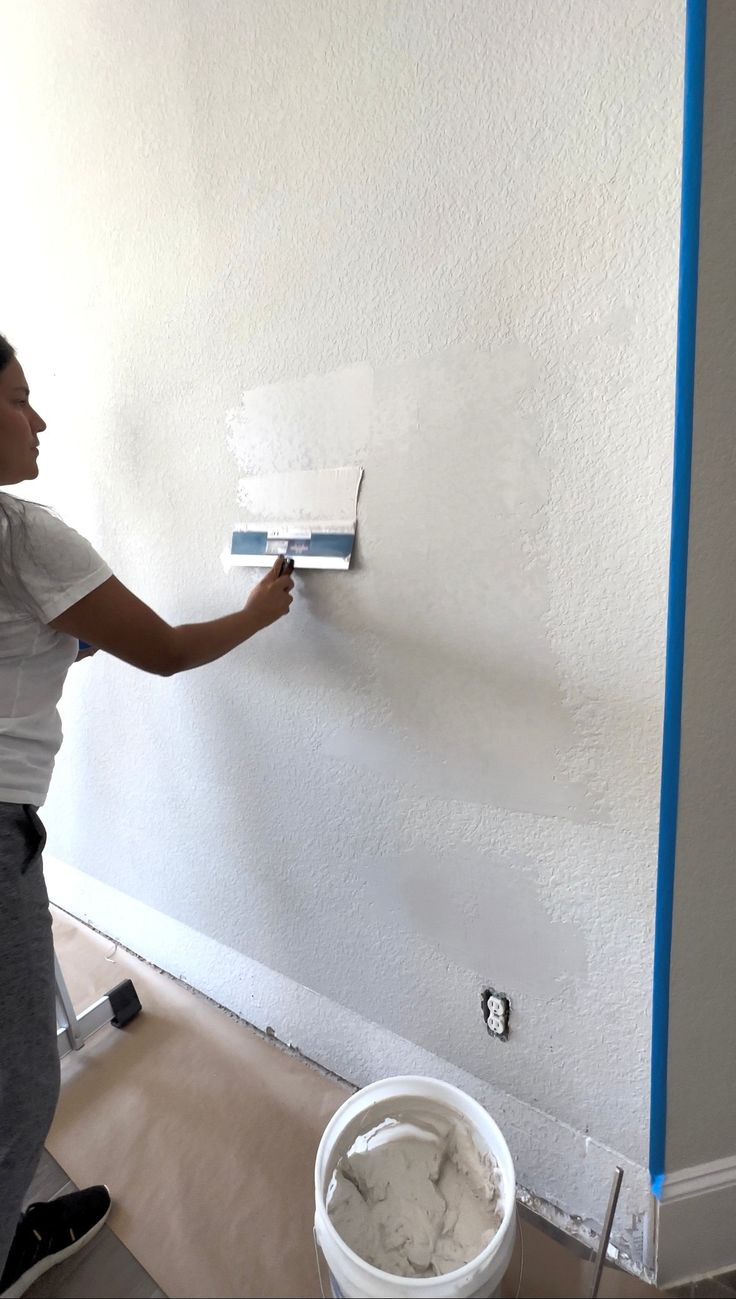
459 1274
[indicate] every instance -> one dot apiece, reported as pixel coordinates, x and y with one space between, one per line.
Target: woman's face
20 426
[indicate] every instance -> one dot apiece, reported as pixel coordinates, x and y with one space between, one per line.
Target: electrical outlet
496 1011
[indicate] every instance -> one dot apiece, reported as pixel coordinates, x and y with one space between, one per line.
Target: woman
55 591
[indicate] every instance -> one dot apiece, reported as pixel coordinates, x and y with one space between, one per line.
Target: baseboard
565 1173
696 1223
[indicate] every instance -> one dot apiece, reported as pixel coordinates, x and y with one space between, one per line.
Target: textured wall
701 1120
438 238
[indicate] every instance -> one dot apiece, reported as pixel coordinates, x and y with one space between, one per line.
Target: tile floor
106 1270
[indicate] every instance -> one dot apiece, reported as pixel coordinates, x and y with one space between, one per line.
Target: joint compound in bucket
416 1198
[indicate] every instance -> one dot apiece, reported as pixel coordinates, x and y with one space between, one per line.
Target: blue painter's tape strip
692 151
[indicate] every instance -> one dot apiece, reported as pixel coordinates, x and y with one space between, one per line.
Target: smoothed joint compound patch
481 910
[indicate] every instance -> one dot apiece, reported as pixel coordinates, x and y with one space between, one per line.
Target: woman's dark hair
7 352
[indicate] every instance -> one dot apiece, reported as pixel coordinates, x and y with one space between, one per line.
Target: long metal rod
66 1006
605 1235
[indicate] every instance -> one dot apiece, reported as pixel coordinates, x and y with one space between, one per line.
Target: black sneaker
50 1232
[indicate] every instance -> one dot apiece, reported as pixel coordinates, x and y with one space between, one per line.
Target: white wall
439 239
701 1114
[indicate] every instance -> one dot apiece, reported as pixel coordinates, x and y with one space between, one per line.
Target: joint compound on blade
416 1199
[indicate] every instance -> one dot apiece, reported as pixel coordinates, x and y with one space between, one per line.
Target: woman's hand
271 598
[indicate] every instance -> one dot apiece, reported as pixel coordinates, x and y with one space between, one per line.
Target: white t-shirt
45 568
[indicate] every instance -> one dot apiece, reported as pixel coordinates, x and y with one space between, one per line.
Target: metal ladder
118 1007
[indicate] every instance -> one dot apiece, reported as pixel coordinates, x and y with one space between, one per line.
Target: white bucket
351 1277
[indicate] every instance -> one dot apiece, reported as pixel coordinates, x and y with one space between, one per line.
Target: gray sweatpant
29 1059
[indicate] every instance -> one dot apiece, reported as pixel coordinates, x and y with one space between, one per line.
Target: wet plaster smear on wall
457 743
